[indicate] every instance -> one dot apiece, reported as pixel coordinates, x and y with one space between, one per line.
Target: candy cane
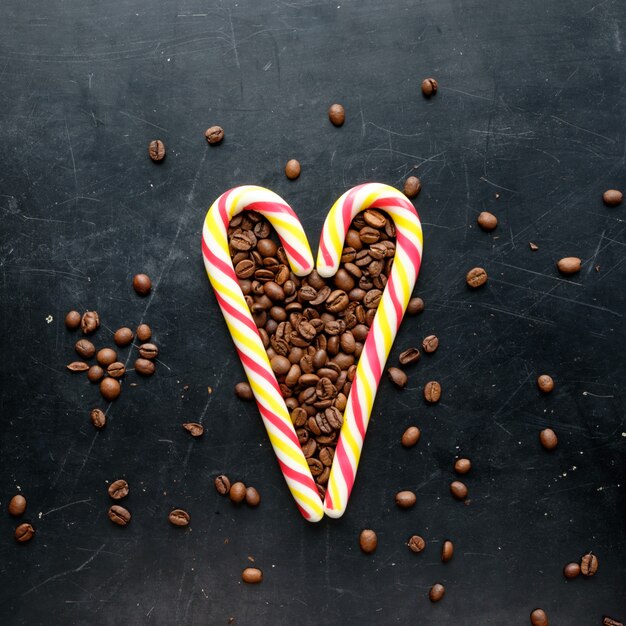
244 332
384 328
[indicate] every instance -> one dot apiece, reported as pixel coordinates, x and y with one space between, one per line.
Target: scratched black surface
531 107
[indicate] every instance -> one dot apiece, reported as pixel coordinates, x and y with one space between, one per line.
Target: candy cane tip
334 513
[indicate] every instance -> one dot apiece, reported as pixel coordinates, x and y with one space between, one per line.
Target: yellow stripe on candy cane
287 449
352 443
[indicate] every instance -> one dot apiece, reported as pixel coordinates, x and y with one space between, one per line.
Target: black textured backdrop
530 107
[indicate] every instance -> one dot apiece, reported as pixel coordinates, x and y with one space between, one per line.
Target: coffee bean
77 366
589 564
458 490
98 418
222 484
214 134
156 150
374 218
17 505
85 348
237 492
430 343
447 551
533 246
72 320
412 186
194 429
144 332
397 377
144 367
337 114
609 621
429 87
487 221
142 284
178 517
545 383
476 277
24 533
405 499
409 356
368 541
612 197
252 497
90 322
416 543
292 169
119 515
569 265
432 391
110 389
118 489
539 618
123 336
244 391
571 570
252 575
106 356
116 369
148 351
436 593
337 301
462 466
415 306
548 439
411 436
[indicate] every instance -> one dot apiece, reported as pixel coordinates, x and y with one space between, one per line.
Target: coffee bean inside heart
313 328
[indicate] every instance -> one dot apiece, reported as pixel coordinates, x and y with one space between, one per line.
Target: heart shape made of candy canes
244 332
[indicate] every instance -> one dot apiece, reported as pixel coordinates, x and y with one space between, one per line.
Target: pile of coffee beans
237 492
17 507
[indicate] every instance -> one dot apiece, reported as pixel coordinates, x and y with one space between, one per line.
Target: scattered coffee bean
571 570
612 197
545 383
116 369
429 87
119 515
411 436
405 499
178 517
487 221
397 377
118 489
142 284
462 466
237 492
609 621
106 356
476 277
412 186
368 541
244 391
436 593
569 265
194 429
90 322
292 169
85 348
432 391
539 618
252 575
156 150
144 367
533 246
447 551
24 533
98 418
214 134
337 114
589 565
144 332
409 356
548 439
17 505
77 366
415 306
110 389
148 351
458 490
416 543
222 484
252 497
72 320
430 343
123 336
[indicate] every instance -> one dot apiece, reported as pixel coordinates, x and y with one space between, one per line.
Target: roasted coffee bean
368 541
245 269
98 418
374 218
462 466
119 515
194 429
571 570
333 417
569 265
476 277
612 197
222 484
326 456
337 114
110 389
368 235
90 322
178 517
415 306
237 492
609 621
17 505
533 246
116 370
252 497
144 332
429 87
95 373
343 280
397 377
430 343
548 439
123 336
409 356
252 575
214 134
244 391
24 533
447 551
156 150
432 392
589 565
539 618
411 436
412 186
545 383
142 284
85 348
315 466
118 489
77 366
292 169
372 298
405 499
72 320
144 367
487 221
337 301
148 351
458 490
106 356
416 543
436 593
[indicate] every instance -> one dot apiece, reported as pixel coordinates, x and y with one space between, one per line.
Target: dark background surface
530 107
